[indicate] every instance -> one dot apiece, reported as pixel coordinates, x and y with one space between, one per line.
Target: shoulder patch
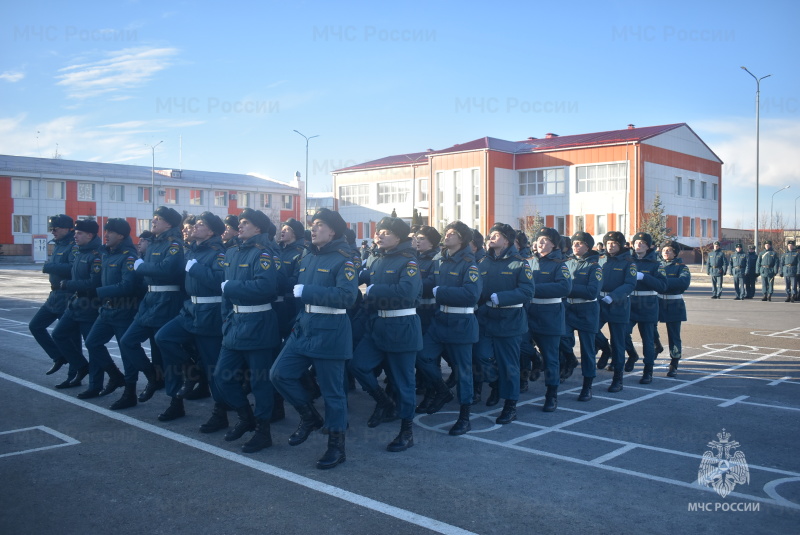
528 272
276 261
265 261
598 274
565 271
96 265
633 270
661 271
174 247
349 270
221 259
412 269
129 263
473 273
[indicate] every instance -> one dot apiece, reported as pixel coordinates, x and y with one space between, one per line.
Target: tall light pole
305 189
758 109
795 217
153 174
770 206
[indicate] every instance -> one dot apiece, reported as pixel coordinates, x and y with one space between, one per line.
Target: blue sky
103 80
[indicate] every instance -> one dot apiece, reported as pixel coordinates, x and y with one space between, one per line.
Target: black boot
524 376
550 399
82 372
494 395
127 400
659 347
173 412
405 439
442 397
57 365
217 421
462 425
477 388
153 385
247 422
201 391
67 383
385 409
190 373
261 438
631 362
764 298
509 413
88 394
278 409
310 420
603 360
586 391
115 380
647 375
335 453
451 379
616 383
673 368
425 404
570 364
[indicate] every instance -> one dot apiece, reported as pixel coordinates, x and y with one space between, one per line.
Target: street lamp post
153 174
795 217
770 207
758 109
305 189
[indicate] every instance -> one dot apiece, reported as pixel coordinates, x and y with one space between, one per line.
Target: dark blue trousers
460 356
739 286
367 357
63 336
171 339
647 334
548 347
134 359
229 373
49 312
588 350
499 359
716 285
99 358
618 332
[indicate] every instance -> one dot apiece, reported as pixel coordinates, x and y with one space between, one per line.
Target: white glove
298 290
138 263
639 275
494 299
223 285
189 264
434 290
369 288
607 300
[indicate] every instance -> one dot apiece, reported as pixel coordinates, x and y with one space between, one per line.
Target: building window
714 229
691 227
116 193
691 187
560 224
542 182
393 192
22 224
171 196
243 200
142 225
603 177
262 200
600 228
20 189
703 228
476 197
287 202
713 192
457 183
220 198
703 190
55 190
143 194
579 225
85 191
679 231
622 223
678 185
354 195
423 190
196 197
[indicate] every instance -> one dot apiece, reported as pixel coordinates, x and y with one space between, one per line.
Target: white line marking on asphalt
615 453
68 440
317 486
779 381
733 401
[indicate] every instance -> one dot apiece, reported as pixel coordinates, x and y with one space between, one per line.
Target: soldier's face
640 246
667 253
201 232
498 242
59 232
141 247
112 239
159 226
247 230
612 247
287 235
386 239
82 238
544 245
579 248
452 239
188 232
422 243
791 246
321 233
716 247
230 232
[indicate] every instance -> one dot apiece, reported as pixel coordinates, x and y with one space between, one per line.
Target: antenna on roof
180 152
38 149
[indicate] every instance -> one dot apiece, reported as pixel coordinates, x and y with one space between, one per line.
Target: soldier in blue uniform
767 268
199 321
717 267
650 281
231 235
163 271
58 268
788 270
456 285
619 280
738 268
291 249
393 333
82 306
322 335
672 309
427 246
546 323
507 288
752 274
582 312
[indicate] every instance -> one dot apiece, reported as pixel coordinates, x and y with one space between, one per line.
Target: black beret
431 233
169 215
549 233
118 225
645 237
477 238
60 221
462 230
146 235
672 245
190 219
396 226
506 230
296 226
333 219
583 237
231 221
614 236
257 218
87 225
213 222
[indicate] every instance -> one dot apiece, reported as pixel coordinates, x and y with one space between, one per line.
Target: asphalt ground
621 463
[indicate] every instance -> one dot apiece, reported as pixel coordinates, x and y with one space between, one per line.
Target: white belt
167 288
200 300
550 301
576 300
644 292
604 294
279 299
492 305
431 301
665 296
314 309
397 313
456 310
250 309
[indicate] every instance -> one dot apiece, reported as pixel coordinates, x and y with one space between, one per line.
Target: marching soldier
789 267
752 274
717 267
322 335
291 250
739 268
672 309
427 246
231 235
767 268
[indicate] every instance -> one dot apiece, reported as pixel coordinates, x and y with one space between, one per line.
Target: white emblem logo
723 471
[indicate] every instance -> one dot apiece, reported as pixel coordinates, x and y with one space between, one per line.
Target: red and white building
595 182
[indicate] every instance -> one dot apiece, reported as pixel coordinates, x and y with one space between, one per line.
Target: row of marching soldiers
285 320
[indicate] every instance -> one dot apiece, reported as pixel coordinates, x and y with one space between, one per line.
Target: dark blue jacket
587 279
329 279
163 266
789 263
203 280
644 308
717 263
59 267
426 311
119 287
678 280
510 277
459 285
767 265
738 264
396 284
84 281
552 280
252 280
752 261
619 280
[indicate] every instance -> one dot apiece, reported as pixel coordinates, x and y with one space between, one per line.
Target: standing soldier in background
752 274
231 235
507 288
322 335
767 268
58 268
82 306
163 272
739 269
717 267
672 309
788 270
